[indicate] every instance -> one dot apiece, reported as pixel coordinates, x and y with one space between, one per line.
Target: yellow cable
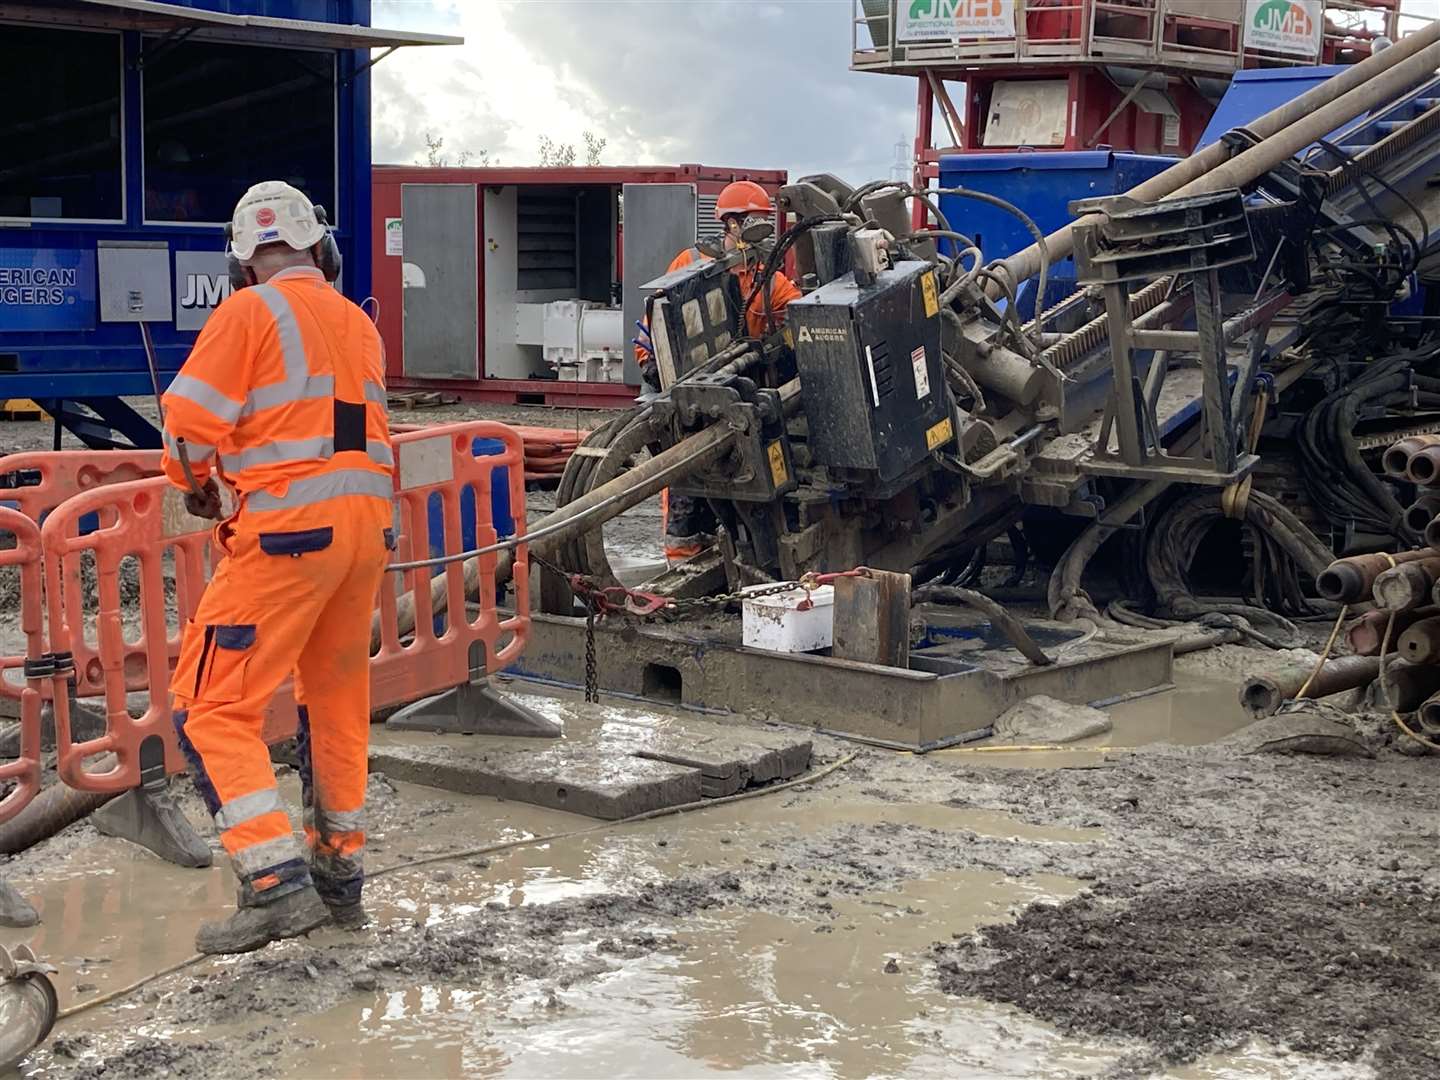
1325 655
487 849
1413 734
1385 690
1002 749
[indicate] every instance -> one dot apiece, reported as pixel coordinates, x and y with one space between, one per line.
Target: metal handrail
1038 33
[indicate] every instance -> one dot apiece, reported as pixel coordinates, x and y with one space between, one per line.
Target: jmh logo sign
204 290
1283 17
956 9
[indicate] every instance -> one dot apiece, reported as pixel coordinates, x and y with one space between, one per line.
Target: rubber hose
55 808
1001 619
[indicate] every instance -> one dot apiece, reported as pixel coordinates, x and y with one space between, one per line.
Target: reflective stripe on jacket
285 390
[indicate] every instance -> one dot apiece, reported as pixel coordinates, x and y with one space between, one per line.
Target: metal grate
547 256
706 227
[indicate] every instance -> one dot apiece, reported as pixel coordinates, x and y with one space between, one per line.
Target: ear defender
328 257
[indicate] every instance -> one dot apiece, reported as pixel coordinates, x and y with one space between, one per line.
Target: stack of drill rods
1405 589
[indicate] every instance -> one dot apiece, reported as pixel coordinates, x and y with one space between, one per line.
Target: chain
601 601
592 677
682 607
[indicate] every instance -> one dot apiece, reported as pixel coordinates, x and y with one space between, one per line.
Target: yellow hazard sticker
932 298
776 453
940 434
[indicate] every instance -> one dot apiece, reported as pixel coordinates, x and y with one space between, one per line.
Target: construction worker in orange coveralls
283 394
689 522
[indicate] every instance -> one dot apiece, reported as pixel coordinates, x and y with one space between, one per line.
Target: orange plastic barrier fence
442 460
144 527
24 770
35 482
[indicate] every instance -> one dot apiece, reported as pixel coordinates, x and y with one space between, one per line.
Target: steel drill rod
1406 586
1407 685
1262 695
1202 171
1367 633
1349 580
1423 465
1421 512
622 493
1420 643
1396 460
1429 715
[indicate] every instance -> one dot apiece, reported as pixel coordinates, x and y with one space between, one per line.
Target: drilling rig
1268 291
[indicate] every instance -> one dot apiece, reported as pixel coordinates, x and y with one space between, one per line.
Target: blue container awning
161 18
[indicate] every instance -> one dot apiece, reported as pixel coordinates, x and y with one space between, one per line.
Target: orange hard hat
742 197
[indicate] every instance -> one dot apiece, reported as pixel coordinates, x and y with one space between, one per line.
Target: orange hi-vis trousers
297 598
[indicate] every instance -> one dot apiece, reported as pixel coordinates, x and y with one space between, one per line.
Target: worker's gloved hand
206 504
650 375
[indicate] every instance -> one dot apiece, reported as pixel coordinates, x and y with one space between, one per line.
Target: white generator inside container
551 304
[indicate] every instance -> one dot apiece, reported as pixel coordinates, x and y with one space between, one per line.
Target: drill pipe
1432 532
1312 115
1366 633
28 1008
1420 643
627 490
1421 512
1423 465
1406 586
1349 580
1262 695
1407 685
1428 715
1396 460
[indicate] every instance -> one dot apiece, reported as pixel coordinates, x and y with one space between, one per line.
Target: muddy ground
1154 903
1167 910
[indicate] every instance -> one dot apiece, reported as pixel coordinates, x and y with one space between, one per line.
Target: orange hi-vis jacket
782 291
285 390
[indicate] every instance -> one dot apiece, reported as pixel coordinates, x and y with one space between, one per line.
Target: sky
761 84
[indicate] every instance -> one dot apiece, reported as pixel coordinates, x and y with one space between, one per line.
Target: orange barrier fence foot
15 910
475 708
149 816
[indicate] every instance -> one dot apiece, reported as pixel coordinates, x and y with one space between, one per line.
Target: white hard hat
273 212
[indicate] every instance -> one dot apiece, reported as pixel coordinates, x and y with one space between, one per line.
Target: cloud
744 83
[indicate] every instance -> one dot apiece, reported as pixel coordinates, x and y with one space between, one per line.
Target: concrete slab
579 778
730 762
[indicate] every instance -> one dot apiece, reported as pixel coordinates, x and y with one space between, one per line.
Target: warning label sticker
778 473
939 434
922 373
932 298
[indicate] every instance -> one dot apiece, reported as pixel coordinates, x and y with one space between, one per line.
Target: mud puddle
113 913
1196 711
744 992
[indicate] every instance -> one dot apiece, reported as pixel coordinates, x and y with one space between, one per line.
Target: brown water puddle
743 992
1195 712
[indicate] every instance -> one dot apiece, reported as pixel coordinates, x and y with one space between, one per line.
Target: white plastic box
777 622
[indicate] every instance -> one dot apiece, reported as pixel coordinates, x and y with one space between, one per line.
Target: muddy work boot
252 928
341 892
352 916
